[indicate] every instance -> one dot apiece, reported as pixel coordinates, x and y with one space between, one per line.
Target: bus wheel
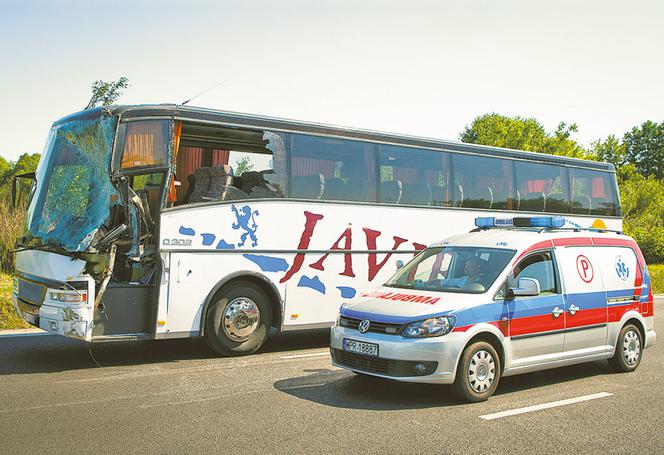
478 373
238 320
629 350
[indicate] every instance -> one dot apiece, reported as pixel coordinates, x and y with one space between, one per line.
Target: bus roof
213 116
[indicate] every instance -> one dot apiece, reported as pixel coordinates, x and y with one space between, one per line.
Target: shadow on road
342 389
46 354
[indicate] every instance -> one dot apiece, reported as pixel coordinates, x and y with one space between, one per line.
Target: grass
11 228
8 317
657 277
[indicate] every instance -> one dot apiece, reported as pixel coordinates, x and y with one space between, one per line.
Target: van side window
540 267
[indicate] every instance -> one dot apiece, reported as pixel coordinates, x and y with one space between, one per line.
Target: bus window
482 182
219 163
592 192
411 176
541 187
145 144
332 169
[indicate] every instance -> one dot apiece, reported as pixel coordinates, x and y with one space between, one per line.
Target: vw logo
364 326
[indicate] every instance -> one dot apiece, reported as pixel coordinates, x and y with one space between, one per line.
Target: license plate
31 318
360 347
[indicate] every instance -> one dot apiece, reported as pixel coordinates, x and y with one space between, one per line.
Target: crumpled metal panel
74 192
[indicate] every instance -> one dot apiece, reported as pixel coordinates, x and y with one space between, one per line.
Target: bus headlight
432 327
67 296
15 286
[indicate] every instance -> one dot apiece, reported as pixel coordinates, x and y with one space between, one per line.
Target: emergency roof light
486 222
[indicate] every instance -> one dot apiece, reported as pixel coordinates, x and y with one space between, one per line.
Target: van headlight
341 308
432 327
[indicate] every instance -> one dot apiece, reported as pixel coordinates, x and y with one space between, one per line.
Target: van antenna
204 92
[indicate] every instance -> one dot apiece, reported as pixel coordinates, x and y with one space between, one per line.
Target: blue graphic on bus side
347 292
208 239
245 220
187 231
268 263
313 283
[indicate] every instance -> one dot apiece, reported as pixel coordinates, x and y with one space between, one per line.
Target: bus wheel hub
240 319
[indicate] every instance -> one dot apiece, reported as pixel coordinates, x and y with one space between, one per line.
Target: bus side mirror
526 287
15 194
399 264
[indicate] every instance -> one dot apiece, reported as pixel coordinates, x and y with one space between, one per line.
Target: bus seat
390 191
555 202
221 178
307 186
458 197
416 194
534 201
152 192
201 184
355 190
438 196
334 188
581 204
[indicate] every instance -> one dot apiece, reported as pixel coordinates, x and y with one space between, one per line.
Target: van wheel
478 373
238 320
629 350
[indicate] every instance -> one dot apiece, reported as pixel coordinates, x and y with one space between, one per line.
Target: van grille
375 327
378 365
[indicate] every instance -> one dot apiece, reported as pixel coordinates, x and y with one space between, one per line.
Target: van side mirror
525 287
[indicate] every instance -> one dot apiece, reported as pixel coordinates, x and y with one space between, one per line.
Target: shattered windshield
74 192
468 270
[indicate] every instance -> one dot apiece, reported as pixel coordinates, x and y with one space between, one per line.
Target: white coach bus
168 221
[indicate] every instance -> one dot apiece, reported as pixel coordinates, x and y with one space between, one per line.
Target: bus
170 221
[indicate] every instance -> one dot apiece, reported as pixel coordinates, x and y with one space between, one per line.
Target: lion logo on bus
245 220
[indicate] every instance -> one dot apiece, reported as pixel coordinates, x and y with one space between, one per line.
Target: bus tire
238 319
478 373
629 350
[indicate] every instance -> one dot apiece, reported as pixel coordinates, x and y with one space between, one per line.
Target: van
512 296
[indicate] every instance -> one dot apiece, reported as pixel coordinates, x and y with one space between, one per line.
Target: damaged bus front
88 218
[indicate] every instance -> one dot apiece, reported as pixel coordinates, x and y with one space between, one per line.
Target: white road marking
301 356
539 407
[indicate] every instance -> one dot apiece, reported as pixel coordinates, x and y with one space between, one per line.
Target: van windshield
468 270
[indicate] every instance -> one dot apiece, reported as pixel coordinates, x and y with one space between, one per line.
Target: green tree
523 134
5 170
644 147
26 163
643 211
106 93
244 164
610 150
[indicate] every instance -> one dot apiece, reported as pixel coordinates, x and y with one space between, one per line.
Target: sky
424 68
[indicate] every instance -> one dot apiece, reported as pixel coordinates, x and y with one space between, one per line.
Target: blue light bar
491 221
486 222
540 221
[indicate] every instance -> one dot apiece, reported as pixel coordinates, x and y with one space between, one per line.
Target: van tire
245 311
629 350
478 360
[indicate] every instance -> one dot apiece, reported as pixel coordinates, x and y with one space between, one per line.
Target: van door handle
573 309
557 312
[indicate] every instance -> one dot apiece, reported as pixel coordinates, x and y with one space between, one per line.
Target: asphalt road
175 396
